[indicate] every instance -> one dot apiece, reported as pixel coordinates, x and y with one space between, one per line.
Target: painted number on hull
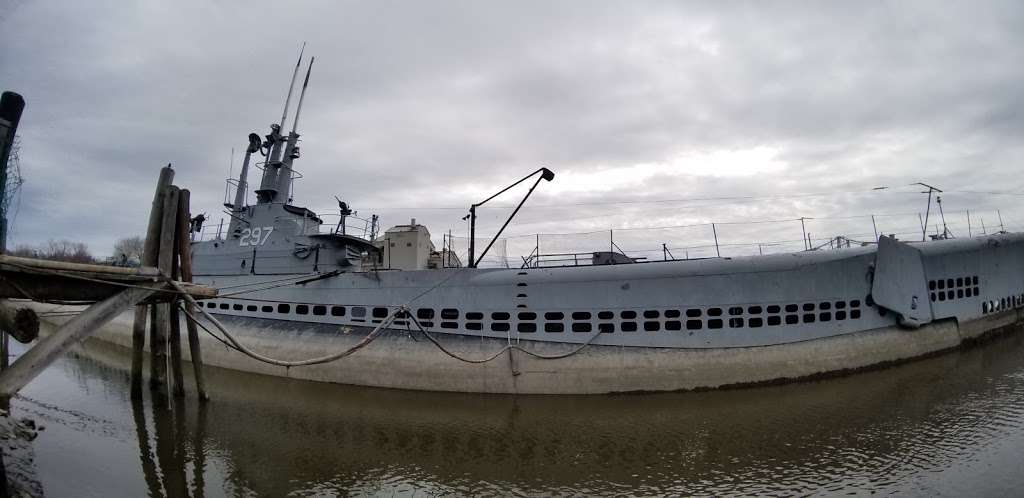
256 236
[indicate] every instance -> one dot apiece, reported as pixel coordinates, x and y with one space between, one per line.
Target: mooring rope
509 347
232 342
370 337
288 363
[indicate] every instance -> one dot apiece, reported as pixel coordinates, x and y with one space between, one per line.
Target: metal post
920 221
1002 229
928 210
969 234
803 229
874 227
714 232
11 107
472 236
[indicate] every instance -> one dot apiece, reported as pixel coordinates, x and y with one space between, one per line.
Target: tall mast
302 96
291 87
291 152
268 191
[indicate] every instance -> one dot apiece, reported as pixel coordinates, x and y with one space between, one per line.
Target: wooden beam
59 287
15 263
48 349
21 323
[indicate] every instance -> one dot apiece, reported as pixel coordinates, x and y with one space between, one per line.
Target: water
949 426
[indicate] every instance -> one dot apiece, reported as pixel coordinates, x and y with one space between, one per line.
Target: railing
354 225
691 241
732 238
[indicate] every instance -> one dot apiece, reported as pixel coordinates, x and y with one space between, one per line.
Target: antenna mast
931 190
302 96
291 152
268 191
291 87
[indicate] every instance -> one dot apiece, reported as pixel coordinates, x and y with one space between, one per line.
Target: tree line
127 252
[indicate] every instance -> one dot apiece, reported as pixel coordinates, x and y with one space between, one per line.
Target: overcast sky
759 108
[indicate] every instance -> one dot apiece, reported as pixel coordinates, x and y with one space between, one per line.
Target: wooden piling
5 350
175 326
162 319
185 255
148 258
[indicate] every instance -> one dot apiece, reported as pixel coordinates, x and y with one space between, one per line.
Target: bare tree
57 250
66 250
128 251
24 251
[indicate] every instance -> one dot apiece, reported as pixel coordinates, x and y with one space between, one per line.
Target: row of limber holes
581 321
997 305
949 288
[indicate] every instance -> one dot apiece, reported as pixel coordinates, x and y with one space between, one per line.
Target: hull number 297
255 236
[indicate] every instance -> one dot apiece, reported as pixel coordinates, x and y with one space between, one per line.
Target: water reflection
952 423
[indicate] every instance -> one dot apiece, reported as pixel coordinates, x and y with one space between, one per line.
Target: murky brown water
951 425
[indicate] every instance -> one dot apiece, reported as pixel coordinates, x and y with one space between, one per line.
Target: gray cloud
435 104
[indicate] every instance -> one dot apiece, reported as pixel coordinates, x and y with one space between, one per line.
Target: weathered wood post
175 335
185 255
5 350
162 317
149 256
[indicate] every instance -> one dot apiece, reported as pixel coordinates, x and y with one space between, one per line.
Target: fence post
969 223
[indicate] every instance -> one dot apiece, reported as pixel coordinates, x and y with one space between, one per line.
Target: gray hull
399 359
637 327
